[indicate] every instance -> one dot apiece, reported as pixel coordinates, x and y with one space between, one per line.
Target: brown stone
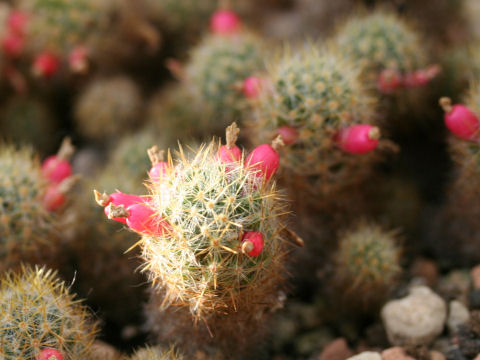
337 350
437 355
395 353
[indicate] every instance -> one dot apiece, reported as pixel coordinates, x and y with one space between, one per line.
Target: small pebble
336 350
475 274
395 353
367 355
416 319
457 315
437 355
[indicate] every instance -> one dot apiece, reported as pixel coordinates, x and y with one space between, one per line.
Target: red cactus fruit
224 22
264 159
252 243
159 167
289 134
13 44
230 152
78 59
358 139
252 86
459 119
49 354
118 199
421 77
54 198
140 218
17 22
389 80
45 65
57 168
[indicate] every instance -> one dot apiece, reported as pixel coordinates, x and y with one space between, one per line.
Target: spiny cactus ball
28 120
216 71
28 232
60 25
209 206
156 353
381 41
314 93
37 312
368 260
108 106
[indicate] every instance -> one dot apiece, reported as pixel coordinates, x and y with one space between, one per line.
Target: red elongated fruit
57 168
118 199
358 139
13 44
54 198
265 159
159 167
421 77
140 218
230 152
49 354
459 119
224 22
78 59
45 65
252 86
389 80
17 22
252 243
289 134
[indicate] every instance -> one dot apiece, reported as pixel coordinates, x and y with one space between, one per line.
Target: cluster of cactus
26 119
156 353
108 106
217 70
387 49
40 319
367 262
316 101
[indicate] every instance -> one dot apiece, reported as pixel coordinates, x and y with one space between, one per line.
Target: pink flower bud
56 169
229 155
252 86
158 170
289 134
358 139
460 120
13 44
224 22
142 219
45 65
17 22
117 199
265 160
389 80
49 354
252 243
54 198
78 59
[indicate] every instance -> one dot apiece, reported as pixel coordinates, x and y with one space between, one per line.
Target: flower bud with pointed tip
56 170
230 152
264 159
459 119
358 139
252 243
224 22
49 354
158 170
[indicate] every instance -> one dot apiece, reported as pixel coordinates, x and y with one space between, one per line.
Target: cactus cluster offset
156 353
37 315
209 206
381 41
313 94
367 261
108 106
217 69
28 232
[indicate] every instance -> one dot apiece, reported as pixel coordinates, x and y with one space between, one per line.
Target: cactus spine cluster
216 71
108 106
367 261
37 313
316 94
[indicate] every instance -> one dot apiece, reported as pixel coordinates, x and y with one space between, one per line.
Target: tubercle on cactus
159 166
230 152
57 168
358 139
460 120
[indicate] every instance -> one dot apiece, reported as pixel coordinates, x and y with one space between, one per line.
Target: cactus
216 71
156 353
315 94
367 262
25 119
108 107
38 313
28 232
199 256
381 41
